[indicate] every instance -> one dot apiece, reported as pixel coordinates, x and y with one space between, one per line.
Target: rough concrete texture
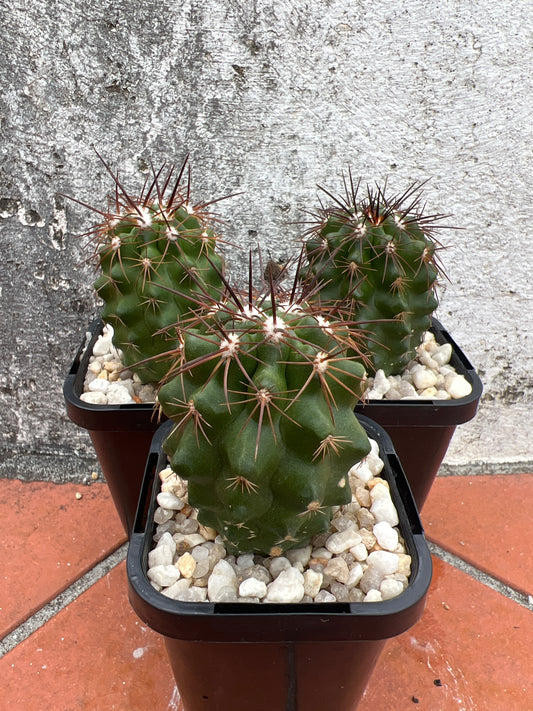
269 98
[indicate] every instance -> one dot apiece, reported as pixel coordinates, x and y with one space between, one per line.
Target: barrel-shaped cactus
158 259
262 394
375 259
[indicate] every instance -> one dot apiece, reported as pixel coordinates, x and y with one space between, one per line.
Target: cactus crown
262 394
153 251
376 259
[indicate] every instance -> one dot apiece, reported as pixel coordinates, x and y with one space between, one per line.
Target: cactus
375 259
154 252
262 396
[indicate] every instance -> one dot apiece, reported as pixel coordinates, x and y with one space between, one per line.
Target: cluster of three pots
290 363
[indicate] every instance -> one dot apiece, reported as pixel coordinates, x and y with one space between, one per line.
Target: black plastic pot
121 434
421 430
290 657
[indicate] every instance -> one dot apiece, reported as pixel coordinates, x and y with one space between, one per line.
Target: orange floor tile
95 655
49 539
472 649
465 515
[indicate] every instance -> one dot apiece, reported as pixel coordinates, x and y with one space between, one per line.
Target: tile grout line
67 596
475 469
81 585
484 578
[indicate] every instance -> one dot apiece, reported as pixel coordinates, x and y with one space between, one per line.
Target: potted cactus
261 398
263 395
374 258
156 253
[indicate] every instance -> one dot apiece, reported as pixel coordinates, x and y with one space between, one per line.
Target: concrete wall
269 97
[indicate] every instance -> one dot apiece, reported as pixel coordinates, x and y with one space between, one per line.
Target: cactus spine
375 259
262 396
155 252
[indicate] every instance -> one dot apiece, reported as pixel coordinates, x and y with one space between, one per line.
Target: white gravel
362 557
429 377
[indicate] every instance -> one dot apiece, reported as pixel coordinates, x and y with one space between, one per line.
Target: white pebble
312 582
394 394
146 393
386 535
443 354
277 565
354 578
371 579
167 540
426 359
404 564
457 386
374 447
359 552
383 561
379 491
227 594
407 390
322 553
127 384
103 345
245 561
100 385
252 587
222 577
423 378
342 541
390 588
201 569
381 384
163 553
164 575
167 500
94 398
287 587
325 596
362 471
384 510
192 594
337 568
177 588
162 515
118 395
374 463
186 565
299 555
373 596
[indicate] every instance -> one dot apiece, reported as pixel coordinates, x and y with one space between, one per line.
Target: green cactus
375 260
262 395
158 261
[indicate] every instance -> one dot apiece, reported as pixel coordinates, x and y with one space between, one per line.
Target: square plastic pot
421 430
121 434
295 657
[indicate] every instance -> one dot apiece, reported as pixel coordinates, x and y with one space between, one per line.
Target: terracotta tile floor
472 650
